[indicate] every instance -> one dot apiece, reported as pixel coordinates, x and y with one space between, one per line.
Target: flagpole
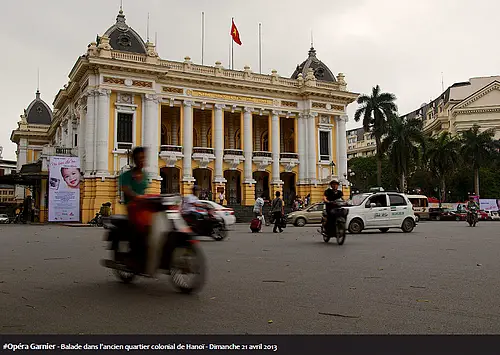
202 36
232 46
260 48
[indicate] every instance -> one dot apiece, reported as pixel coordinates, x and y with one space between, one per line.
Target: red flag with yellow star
235 34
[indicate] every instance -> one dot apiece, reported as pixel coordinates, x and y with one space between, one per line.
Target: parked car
446 214
493 215
420 206
4 219
227 214
383 211
483 215
309 215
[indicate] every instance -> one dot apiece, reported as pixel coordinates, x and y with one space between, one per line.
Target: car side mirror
372 205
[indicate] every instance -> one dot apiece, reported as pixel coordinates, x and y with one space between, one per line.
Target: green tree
376 110
478 148
402 143
443 156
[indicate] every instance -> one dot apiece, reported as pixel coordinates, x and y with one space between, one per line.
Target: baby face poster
64 189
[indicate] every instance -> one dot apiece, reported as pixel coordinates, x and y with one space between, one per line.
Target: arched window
195 138
164 135
237 139
264 142
209 138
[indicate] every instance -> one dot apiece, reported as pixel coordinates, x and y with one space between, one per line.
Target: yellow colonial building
225 130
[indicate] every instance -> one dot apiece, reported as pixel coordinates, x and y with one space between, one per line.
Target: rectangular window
324 145
124 130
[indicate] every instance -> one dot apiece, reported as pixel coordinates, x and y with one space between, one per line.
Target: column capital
247 109
188 103
152 97
344 118
219 107
102 92
275 113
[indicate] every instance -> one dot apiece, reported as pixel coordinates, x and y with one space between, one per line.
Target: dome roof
321 71
124 38
38 112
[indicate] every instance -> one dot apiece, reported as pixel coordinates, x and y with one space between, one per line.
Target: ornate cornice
495 85
472 111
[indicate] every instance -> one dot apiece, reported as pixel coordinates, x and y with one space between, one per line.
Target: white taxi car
382 210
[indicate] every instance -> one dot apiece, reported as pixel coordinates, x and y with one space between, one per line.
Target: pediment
488 96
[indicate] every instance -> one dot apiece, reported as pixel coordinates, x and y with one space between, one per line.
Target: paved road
442 278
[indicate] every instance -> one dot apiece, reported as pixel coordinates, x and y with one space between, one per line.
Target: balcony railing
209 151
237 152
171 148
262 155
289 156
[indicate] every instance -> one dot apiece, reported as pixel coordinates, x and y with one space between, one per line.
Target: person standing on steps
277 210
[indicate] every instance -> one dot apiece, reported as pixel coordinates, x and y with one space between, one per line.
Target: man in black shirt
332 194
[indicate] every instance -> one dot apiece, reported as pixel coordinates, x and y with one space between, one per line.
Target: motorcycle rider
189 207
134 183
332 194
472 206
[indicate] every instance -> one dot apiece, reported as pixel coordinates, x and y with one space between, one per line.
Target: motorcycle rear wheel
219 233
341 232
187 268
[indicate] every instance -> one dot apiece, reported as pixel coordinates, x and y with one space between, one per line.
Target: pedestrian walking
277 210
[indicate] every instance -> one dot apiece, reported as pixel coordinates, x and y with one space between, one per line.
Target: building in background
7 167
237 131
360 143
462 105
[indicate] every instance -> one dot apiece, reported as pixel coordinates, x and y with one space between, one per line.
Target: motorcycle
210 224
472 217
340 226
97 221
169 248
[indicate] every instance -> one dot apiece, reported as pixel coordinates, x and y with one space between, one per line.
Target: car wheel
438 218
384 230
457 218
408 225
300 222
356 226
417 218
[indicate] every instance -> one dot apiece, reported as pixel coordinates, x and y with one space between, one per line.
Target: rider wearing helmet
332 194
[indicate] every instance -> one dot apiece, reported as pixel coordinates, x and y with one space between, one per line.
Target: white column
342 147
312 151
187 141
89 133
102 133
248 145
81 133
22 158
302 148
219 143
275 131
151 126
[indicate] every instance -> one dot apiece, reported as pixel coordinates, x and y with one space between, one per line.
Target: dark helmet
334 181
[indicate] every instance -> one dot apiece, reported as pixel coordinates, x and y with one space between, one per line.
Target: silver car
4 219
310 215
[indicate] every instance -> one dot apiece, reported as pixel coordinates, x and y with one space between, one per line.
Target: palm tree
477 148
376 110
443 156
402 142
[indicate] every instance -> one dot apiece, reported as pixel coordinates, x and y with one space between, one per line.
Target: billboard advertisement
64 189
490 204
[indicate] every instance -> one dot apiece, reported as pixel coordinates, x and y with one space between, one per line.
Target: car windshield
358 199
3 216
